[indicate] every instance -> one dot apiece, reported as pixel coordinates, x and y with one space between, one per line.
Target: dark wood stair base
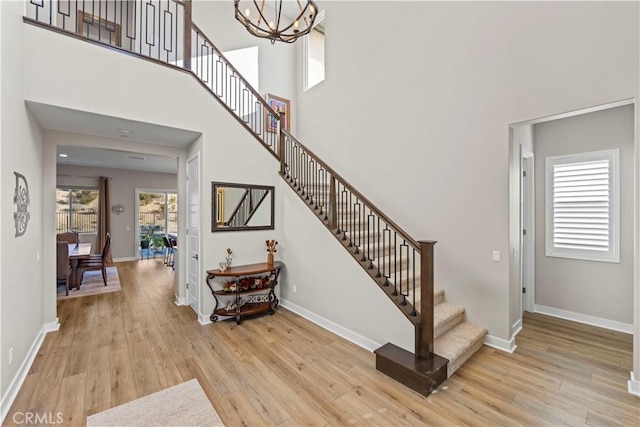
417 373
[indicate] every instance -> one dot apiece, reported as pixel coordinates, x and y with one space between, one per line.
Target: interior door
528 236
193 234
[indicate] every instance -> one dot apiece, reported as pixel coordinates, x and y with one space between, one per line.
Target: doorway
521 270
157 216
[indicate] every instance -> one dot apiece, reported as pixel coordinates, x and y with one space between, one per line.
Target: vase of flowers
271 249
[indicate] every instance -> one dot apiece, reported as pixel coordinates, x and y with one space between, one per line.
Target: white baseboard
126 258
516 328
18 380
500 344
345 333
634 385
584 318
203 320
52 326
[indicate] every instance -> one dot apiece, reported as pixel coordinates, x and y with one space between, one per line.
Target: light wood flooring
284 370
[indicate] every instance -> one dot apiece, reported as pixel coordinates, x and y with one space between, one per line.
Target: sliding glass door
157 217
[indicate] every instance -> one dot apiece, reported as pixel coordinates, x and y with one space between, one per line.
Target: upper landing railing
163 31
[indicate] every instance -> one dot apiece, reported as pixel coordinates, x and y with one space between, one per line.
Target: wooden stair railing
401 266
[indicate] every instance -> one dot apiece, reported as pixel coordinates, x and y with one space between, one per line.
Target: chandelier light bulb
247 12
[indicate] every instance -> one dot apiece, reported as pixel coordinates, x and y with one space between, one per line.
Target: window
314 54
77 210
583 206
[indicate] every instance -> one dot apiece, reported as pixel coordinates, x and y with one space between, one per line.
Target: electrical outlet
295 289
496 256
10 355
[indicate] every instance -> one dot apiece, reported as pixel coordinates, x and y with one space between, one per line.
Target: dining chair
63 269
94 262
167 250
71 237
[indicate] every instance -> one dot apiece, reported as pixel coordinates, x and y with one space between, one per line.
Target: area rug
181 405
93 284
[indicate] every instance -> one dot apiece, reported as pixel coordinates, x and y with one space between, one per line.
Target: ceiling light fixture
265 19
63 155
125 131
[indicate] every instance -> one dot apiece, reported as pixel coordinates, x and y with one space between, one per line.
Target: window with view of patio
77 210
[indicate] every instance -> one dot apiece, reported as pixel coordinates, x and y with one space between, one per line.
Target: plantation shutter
583 206
581 201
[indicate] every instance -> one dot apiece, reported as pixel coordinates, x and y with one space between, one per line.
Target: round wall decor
117 209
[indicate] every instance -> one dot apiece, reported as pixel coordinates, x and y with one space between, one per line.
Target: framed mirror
236 207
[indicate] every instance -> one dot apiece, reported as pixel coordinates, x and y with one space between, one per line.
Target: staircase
399 265
455 339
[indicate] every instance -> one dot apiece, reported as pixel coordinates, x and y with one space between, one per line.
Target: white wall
21 283
123 186
462 72
600 289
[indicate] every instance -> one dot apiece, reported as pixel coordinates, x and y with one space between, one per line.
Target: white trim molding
180 301
634 385
12 392
52 326
516 328
627 328
345 333
204 320
500 344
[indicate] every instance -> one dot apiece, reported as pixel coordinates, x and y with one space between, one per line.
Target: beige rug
93 284
181 405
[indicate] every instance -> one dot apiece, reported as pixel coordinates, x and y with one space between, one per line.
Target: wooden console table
246 301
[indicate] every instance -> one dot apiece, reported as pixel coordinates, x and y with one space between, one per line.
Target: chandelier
267 19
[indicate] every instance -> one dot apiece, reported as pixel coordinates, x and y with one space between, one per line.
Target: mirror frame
214 206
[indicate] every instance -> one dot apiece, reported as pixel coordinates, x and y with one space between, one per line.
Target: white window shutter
582 206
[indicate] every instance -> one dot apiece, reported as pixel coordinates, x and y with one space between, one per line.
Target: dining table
77 251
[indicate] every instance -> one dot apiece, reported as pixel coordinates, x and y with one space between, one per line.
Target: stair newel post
424 332
333 204
186 49
281 153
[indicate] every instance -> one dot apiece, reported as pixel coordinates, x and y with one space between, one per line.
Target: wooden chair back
68 237
106 248
63 268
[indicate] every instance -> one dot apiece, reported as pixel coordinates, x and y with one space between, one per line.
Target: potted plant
158 242
145 241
